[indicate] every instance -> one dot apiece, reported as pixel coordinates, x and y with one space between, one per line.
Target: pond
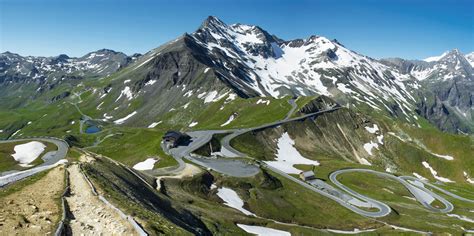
92 129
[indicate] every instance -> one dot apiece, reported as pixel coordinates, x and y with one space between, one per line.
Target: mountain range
220 60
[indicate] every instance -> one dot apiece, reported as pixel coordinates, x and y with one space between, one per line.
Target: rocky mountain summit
255 62
447 83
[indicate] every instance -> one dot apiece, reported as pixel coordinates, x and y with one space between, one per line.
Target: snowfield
446 157
364 161
212 96
463 218
343 88
468 178
122 120
154 124
419 176
151 82
435 173
380 139
288 156
262 101
369 146
355 231
231 97
107 117
28 152
262 231
231 118
232 199
147 164
127 92
373 129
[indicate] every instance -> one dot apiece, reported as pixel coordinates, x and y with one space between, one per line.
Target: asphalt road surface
413 189
382 208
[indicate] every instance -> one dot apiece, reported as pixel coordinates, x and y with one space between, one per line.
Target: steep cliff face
449 105
447 89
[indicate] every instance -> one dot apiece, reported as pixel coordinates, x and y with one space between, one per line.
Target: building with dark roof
175 138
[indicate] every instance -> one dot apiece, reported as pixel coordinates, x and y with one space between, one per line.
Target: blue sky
377 28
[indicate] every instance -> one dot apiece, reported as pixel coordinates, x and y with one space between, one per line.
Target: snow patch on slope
147 164
262 101
28 152
122 120
151 82
127 92
231 118
288 155
154 124
419 176
262 231
373 129
232 199
369 146
446 157
435 173
468 178
463 218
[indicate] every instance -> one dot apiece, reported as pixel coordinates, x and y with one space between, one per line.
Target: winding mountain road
343 195
202 137
382 208
437 188
54 159
413 189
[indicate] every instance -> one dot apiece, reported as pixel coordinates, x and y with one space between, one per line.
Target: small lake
92 129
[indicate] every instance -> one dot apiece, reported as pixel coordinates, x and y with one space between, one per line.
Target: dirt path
35 209
91 215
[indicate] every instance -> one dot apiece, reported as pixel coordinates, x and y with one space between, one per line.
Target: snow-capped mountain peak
449 65
55 69
254 61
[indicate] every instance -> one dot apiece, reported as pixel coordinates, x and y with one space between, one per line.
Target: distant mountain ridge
448 88
101 62
219 60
